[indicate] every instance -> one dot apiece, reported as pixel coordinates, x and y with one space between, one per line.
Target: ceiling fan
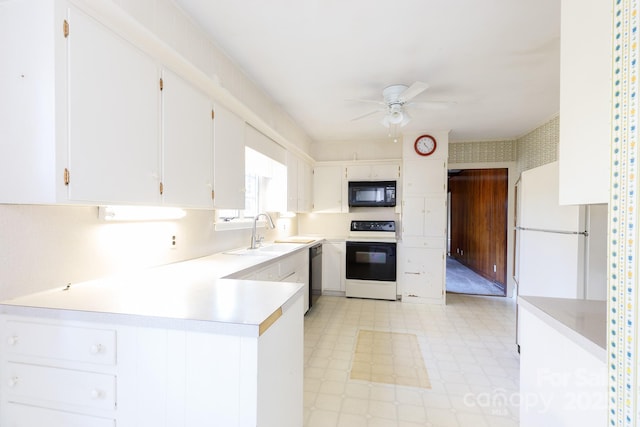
396 99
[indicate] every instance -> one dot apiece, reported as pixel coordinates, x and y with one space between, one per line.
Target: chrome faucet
257 241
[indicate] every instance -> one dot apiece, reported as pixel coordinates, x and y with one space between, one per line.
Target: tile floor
469 352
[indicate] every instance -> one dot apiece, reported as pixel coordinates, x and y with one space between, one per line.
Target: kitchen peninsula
563 369
177 345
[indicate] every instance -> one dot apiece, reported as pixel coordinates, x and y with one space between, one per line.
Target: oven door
371 261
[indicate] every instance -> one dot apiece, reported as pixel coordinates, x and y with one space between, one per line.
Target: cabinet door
32 110
292 182
421 273
385 172
187 142
424 216
413 216
114 117
333 266
424 176
435 216
373 172
585 97
299 179
359 172
328 188
304 186
228 159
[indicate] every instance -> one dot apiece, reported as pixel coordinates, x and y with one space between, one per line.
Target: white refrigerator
560 250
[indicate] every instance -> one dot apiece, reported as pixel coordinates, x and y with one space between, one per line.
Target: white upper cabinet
373 172
299 178
81 121
329 189
585 101
33 132
114 117
228 169
425 176
305 186
187 144
424 216
292 182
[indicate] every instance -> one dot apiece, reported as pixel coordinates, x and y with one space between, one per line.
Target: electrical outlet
173 242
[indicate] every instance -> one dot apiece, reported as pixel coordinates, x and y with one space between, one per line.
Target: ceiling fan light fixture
395 116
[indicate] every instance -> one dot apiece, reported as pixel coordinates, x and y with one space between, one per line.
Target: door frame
513 176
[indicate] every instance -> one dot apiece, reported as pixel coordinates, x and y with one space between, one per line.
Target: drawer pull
12 340
12 382
97 349
97 394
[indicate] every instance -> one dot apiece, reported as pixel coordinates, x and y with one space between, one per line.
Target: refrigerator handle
542 230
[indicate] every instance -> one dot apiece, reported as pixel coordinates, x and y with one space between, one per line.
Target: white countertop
187 295
582 321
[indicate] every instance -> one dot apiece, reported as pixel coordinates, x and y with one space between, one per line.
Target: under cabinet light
139 213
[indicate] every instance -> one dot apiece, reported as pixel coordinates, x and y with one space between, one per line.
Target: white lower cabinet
333 266
292 268
161 377
421 271
562 382
57 373
18 415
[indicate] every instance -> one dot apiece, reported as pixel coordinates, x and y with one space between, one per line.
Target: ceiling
497 62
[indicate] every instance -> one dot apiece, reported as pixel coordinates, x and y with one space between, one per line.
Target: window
265 188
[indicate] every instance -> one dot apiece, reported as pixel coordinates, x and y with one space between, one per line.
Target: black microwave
372 193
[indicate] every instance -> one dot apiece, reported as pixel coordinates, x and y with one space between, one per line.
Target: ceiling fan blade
430 105
369 101
412 91
370 113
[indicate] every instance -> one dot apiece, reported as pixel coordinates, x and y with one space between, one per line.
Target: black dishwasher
315 273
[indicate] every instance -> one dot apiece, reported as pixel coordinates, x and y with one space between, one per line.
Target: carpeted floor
462 280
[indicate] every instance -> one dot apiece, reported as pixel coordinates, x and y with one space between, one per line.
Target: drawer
292 263
16 415
56 385
68 343
270 273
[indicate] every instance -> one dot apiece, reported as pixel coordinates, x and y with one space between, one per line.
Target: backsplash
44 247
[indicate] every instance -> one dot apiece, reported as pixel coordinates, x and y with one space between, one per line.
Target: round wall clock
425 145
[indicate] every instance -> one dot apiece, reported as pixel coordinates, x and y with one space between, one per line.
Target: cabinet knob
12 382
12 340
96 349
97 394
